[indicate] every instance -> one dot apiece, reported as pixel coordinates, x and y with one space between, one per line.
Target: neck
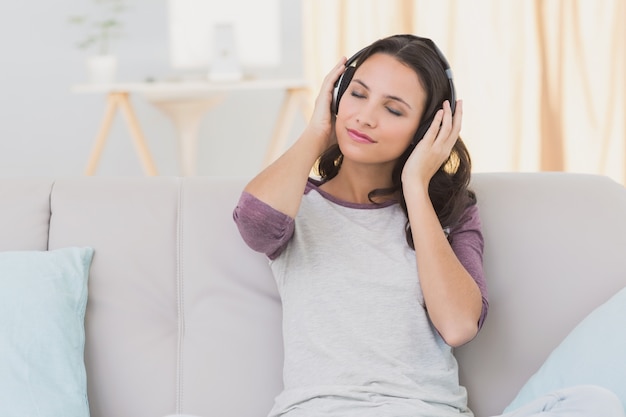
354 182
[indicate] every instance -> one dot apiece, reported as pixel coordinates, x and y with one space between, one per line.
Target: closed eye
389 97
394 111
359 94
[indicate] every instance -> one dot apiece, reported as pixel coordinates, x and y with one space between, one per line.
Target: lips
360 137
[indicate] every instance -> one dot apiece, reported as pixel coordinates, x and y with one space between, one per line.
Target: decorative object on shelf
102 69
228 40
103 25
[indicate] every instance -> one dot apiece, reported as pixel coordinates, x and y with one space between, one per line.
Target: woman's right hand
322 120
282 183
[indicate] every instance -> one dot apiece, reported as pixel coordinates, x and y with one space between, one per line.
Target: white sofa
183 318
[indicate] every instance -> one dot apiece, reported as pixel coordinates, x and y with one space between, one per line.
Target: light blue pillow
593 353
43 295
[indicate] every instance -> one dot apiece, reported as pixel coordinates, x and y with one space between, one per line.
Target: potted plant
101 28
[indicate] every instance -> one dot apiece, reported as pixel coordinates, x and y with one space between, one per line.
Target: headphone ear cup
340 87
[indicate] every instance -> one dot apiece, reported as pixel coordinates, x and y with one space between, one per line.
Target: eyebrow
395 98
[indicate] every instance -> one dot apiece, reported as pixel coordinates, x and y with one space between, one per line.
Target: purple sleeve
262 227
468 243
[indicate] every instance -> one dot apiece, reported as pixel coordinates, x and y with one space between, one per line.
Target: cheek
347 107
340 124
405 132
343 119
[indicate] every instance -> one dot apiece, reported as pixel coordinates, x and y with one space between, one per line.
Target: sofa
182 317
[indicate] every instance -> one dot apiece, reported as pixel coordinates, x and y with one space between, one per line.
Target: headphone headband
342 83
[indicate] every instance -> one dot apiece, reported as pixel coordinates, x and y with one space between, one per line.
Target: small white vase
102 69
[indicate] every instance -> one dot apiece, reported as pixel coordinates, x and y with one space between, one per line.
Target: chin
363 156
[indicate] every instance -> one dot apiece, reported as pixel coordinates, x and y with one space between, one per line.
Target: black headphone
344 80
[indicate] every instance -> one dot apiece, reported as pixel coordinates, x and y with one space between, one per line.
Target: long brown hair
448 188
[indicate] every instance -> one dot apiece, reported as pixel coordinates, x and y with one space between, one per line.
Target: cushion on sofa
592 353
42 334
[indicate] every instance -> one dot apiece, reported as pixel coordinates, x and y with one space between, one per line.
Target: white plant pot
102 69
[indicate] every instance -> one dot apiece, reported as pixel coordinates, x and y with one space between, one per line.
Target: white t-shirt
357 337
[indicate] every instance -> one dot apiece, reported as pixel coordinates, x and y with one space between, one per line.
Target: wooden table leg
187 114
115 100
105 127
135 130
295 98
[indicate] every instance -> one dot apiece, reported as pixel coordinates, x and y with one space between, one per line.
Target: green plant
102 25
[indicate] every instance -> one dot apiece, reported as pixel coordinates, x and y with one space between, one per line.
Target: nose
366 116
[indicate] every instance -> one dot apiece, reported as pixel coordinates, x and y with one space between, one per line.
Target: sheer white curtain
542 81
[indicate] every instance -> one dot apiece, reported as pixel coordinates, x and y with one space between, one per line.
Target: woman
378 261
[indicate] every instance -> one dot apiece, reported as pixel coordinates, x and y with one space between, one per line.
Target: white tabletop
190 87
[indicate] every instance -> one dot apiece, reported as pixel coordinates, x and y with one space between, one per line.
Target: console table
186 102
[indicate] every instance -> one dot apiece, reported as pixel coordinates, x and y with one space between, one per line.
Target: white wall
46 130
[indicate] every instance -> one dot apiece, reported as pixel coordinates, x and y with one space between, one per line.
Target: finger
458 118
451 125
325 95
337 70
326 90
446 122
434 127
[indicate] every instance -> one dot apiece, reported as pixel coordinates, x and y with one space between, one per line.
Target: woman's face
380 111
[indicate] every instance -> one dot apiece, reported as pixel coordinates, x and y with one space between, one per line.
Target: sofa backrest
183 317
554 250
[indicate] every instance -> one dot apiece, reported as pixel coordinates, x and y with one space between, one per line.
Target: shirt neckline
314 184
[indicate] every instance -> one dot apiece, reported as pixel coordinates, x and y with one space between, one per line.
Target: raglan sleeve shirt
267 230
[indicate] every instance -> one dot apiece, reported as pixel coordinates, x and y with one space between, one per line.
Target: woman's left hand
435 147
